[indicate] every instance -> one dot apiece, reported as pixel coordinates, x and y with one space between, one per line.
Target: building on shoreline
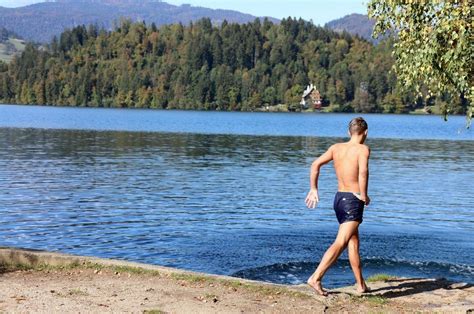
311 98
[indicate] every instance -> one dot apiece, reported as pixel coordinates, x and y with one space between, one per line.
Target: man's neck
357 139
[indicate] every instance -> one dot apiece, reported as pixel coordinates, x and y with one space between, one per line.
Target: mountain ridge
354 24
40 22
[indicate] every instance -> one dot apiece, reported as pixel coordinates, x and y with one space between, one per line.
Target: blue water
225 195
239 123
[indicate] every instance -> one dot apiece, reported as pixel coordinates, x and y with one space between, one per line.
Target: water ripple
223 203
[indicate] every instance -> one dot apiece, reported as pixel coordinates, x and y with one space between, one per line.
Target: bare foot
316 285
363 288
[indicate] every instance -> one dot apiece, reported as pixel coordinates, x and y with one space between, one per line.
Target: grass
375 300
134 270
153 312
79 265
212 297
379 277
18 43
191 277
5 54
78 292
435 110
275 108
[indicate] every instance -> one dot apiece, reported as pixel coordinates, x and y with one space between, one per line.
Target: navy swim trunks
348 207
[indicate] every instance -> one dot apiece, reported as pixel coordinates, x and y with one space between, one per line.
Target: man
351 162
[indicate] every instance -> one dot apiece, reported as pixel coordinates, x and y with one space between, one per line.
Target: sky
317 10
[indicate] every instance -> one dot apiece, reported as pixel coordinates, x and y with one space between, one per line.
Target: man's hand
365 199
312 199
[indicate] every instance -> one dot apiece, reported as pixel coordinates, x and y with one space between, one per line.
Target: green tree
393 104
293 95
434 46
201 66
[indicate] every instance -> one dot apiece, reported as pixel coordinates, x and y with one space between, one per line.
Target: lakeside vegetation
206 67
433 52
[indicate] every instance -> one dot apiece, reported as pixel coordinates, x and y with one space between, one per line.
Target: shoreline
39 281
416 112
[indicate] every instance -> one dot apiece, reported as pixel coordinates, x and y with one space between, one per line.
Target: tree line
6 34
206 67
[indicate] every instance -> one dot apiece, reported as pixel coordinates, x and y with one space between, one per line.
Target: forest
203 66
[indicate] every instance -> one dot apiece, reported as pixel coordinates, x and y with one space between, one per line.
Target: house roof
308 90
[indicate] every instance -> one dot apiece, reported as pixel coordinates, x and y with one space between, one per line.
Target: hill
10 45
40 22
355 24
204 66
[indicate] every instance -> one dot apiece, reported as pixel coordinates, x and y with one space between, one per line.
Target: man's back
347 160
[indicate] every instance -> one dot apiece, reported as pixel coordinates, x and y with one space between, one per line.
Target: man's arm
364 174
313 198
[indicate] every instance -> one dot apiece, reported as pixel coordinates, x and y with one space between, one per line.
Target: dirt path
105 291
113 286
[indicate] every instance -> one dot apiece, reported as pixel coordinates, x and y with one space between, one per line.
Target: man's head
358 126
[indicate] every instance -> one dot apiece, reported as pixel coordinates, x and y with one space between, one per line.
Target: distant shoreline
308 111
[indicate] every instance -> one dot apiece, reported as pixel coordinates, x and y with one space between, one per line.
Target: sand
51 285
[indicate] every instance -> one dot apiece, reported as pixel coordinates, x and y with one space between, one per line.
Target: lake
223 192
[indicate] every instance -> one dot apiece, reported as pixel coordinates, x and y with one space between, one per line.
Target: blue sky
319 11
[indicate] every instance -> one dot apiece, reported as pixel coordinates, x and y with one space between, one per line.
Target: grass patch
212 297
5 268
232 283
376 300
79 265
191 277
134 270
78 292
10 48
153 312
18 43
379 277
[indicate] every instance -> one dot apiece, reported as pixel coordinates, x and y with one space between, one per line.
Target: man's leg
346 231
354 259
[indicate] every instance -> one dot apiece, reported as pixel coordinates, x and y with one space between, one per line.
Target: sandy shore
41 282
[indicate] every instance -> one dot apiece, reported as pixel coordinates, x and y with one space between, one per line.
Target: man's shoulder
344 145
336 146
365 149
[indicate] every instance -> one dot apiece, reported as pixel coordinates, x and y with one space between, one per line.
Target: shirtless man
351 162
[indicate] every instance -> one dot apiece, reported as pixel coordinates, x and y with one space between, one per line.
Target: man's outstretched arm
313 198
364 175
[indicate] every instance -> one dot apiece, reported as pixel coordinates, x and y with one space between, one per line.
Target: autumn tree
202 66
434 51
